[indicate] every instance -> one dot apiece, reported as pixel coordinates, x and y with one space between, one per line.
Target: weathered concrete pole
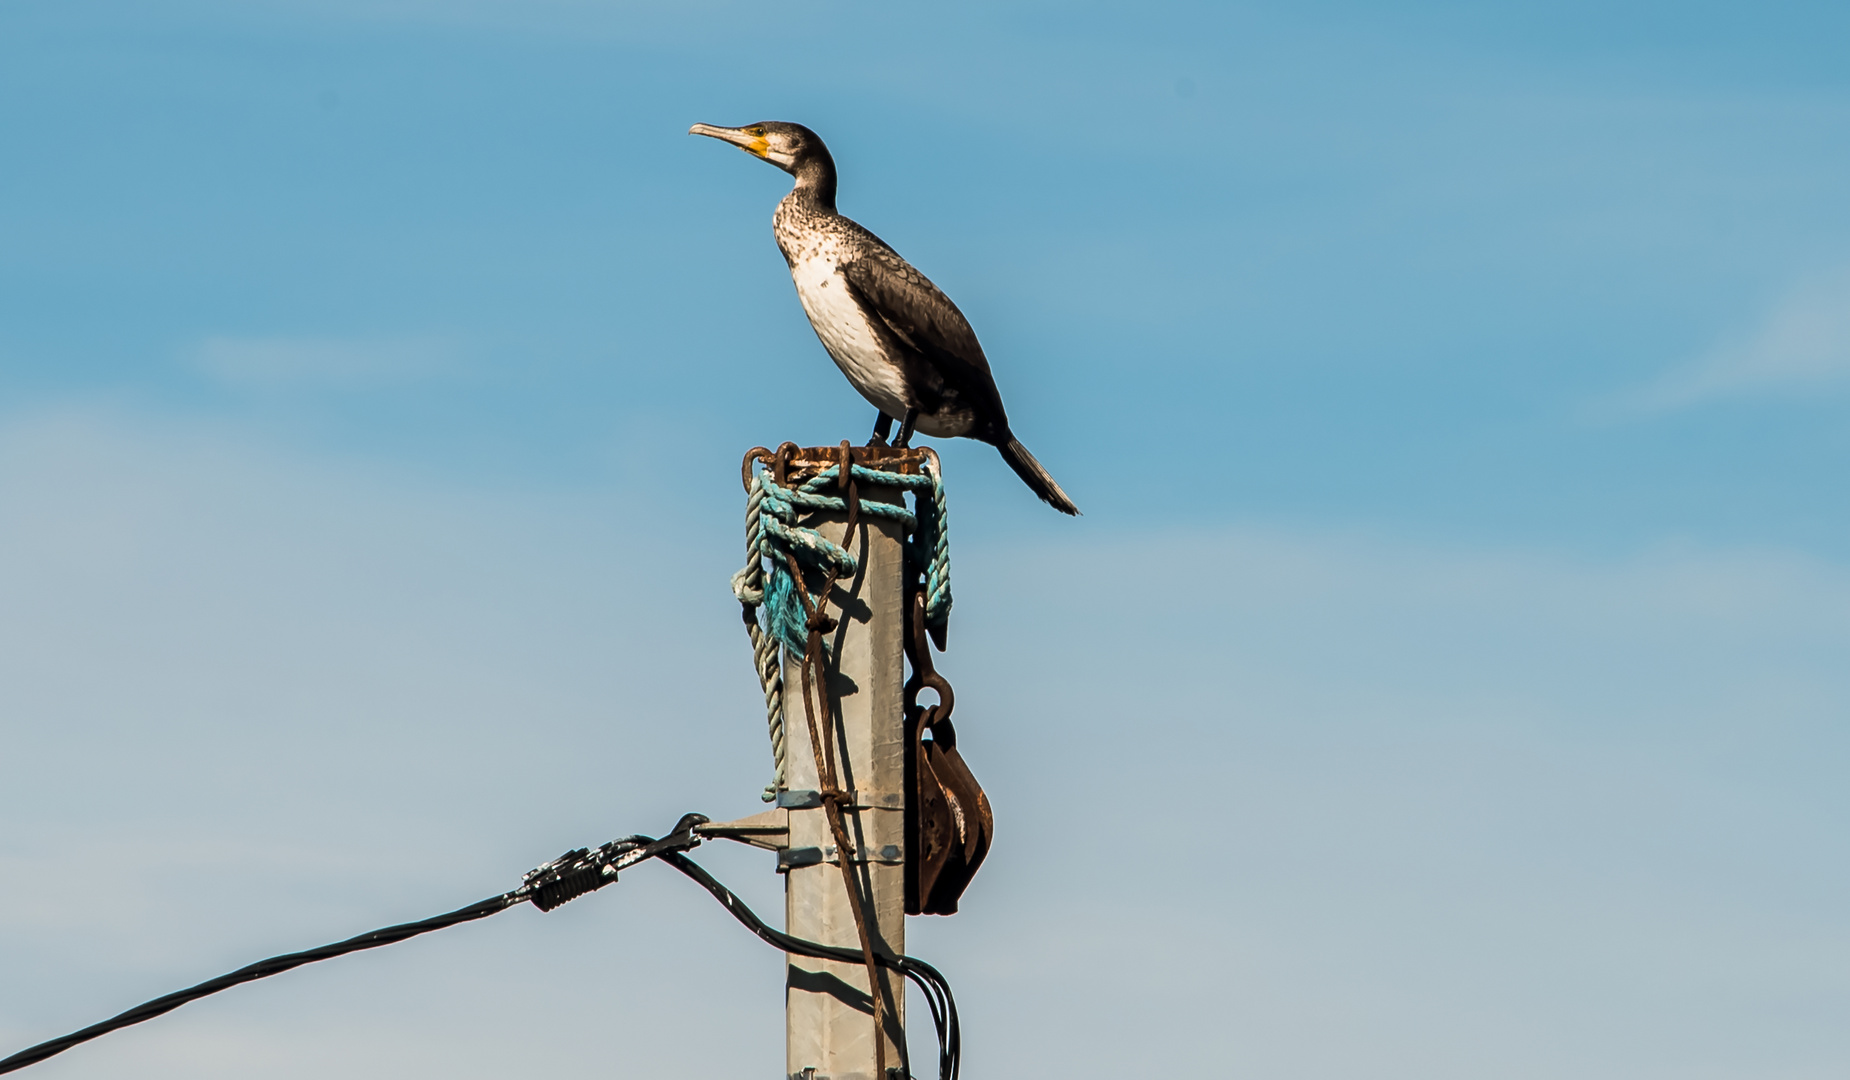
829 1015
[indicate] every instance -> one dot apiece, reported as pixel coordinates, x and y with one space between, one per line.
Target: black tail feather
1035 476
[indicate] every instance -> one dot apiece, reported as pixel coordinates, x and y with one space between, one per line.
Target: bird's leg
905 429
882 427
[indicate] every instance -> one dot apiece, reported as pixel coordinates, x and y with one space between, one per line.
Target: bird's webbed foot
882 427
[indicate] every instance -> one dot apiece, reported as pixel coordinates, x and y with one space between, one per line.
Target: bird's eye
756 131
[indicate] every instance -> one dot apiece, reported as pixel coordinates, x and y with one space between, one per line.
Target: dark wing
924 321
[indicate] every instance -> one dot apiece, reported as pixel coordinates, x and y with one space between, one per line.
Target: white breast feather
845 332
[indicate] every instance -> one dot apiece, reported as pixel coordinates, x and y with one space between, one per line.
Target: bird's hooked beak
750 140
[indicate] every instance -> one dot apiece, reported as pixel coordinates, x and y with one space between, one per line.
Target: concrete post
829 1016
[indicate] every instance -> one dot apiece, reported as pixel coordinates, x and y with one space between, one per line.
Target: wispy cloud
1803 343
343 363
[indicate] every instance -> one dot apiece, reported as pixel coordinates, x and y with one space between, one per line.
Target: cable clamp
803 799
583 870
792 858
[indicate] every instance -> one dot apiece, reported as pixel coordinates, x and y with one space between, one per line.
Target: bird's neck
815 182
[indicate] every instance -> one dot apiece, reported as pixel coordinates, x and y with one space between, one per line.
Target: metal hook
924 673
756 453
781 463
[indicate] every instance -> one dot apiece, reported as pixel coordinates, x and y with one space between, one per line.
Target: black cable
563 879
931 983
262 969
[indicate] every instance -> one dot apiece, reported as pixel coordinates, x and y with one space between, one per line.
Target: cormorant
900 341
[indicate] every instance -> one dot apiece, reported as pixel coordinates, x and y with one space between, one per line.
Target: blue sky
1458 396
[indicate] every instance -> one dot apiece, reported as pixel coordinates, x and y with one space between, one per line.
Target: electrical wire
563 879
930 981
262 969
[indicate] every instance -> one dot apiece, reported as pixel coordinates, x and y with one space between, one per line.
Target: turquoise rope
777 535
772 538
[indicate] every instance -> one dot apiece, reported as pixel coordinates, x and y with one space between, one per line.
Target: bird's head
791 147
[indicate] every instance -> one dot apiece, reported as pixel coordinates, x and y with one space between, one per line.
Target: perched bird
900 341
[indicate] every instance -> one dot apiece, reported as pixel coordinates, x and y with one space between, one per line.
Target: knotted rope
769 592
